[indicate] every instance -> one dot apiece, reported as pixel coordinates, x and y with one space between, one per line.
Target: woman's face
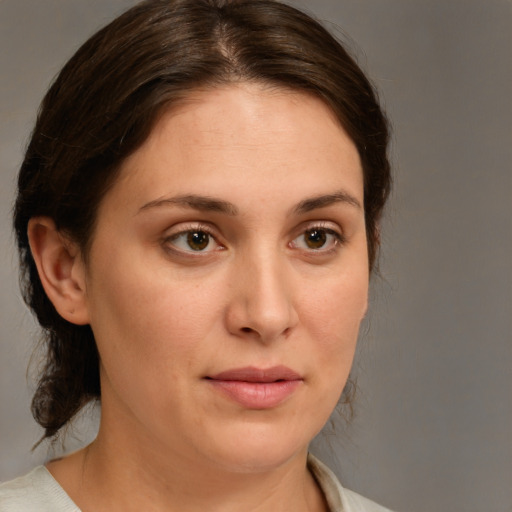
227 278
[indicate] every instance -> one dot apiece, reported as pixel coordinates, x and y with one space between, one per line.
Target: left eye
316 239
193 241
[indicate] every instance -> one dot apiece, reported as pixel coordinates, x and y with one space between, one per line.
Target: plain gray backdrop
433 429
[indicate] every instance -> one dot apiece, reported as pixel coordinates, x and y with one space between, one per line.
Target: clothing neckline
53 493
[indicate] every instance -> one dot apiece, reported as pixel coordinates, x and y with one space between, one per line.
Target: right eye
194 241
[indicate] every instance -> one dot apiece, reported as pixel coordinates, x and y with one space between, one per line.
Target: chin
257 450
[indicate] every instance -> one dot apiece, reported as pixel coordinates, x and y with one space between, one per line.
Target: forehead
248 113
218 140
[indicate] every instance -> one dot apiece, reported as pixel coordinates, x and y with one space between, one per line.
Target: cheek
149 319
339 305
332 317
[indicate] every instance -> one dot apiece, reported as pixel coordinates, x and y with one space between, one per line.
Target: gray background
434 412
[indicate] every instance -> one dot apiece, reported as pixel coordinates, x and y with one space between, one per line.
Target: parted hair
106 100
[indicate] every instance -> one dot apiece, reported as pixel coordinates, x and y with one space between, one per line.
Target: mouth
257 375
255 388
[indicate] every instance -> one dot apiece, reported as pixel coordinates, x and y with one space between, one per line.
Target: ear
61 269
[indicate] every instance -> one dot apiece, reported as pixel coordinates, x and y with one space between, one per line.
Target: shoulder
37 490
356 503
338 498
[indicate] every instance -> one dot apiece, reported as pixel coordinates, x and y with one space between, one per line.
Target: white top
38 491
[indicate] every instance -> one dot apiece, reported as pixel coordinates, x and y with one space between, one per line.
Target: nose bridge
263 302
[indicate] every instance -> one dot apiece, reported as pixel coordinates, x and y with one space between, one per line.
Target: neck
109 476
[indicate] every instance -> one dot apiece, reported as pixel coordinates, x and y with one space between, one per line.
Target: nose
262 306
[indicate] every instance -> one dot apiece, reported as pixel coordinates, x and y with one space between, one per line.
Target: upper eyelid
186 227
181 229
170 247
320 224
331 227
337 234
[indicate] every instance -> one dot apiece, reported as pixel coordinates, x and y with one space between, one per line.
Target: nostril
246 329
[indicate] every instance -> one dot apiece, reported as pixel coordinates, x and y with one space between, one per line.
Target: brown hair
103 105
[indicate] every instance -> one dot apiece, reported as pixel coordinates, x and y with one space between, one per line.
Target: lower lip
257 395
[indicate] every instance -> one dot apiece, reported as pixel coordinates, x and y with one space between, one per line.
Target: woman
197 216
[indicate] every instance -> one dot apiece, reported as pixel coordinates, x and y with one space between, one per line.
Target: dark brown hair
103 105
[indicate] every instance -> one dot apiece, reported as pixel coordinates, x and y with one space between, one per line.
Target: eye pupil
198 240
315 238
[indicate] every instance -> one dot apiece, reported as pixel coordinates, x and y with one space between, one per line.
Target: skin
258 294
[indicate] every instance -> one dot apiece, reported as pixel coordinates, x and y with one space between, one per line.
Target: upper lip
252 374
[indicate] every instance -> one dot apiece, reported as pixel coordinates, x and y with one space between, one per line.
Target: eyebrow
196 202
324 200
211 204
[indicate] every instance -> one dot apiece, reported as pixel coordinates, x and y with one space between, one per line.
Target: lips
255 388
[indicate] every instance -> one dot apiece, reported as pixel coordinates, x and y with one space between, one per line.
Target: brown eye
198 240
318 239
193 240
315 238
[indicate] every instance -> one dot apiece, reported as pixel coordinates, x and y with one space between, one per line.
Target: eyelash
338 239
195 228
326 230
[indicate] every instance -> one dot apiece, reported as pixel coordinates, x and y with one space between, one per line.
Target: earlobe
61 269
